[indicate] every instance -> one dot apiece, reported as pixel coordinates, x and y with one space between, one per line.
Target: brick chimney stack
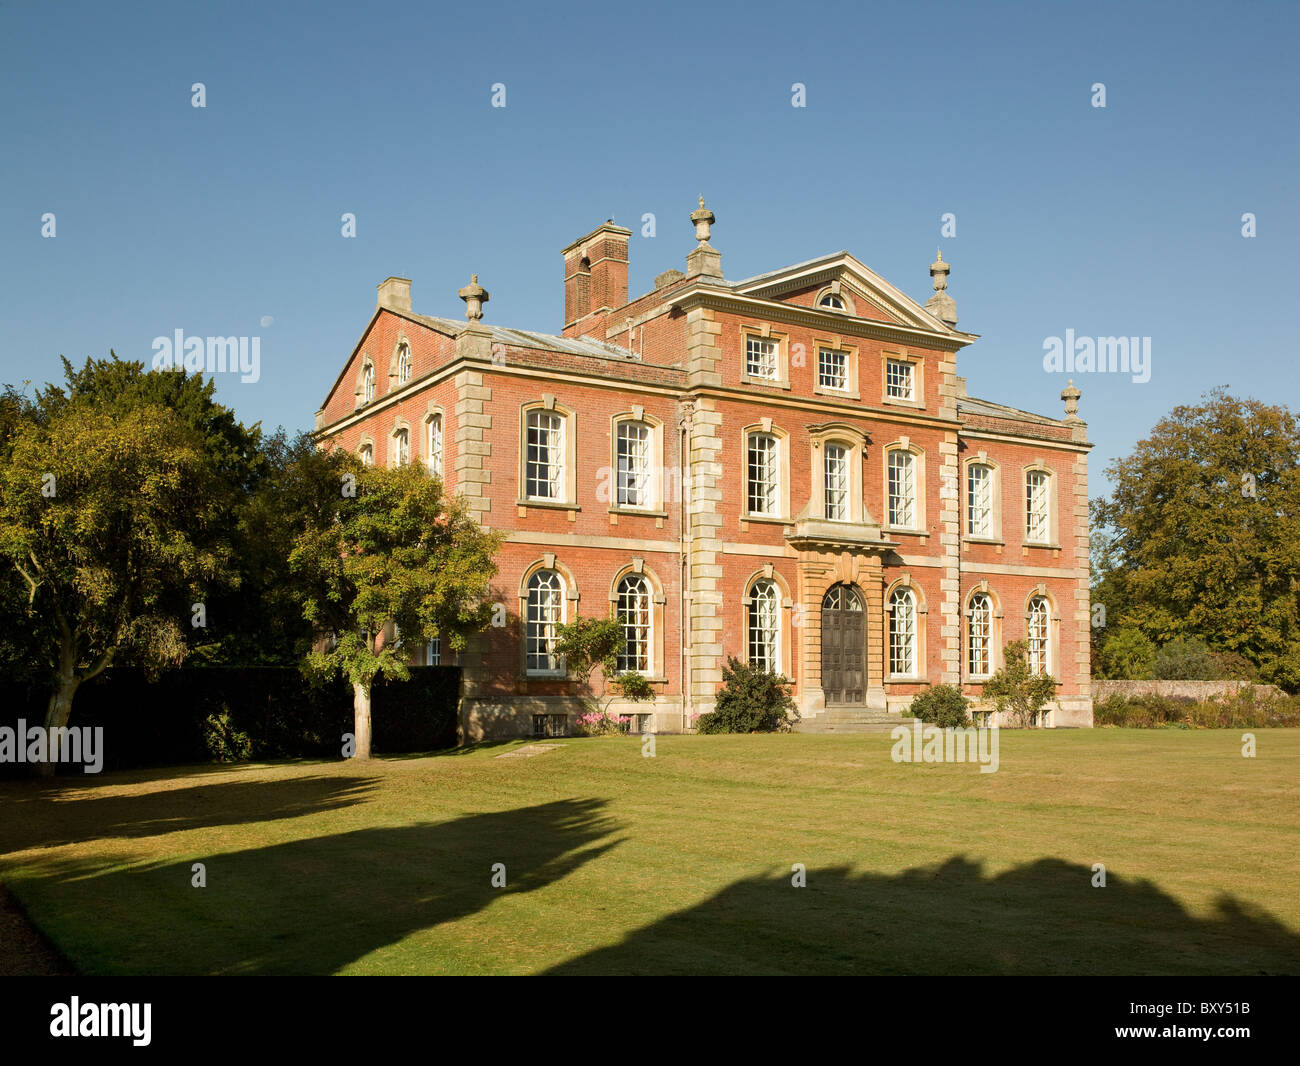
595 279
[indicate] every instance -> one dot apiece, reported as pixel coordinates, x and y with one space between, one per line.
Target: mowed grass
681 863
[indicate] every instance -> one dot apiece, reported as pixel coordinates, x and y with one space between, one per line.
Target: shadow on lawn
1040 918
313 906
54 813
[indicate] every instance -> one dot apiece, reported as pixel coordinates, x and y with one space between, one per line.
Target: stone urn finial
703 219
941 305
1071 397
475 296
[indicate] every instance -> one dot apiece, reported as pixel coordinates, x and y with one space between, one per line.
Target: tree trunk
58 712
361 720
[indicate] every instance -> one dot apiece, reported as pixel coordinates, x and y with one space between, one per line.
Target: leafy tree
751 700
97 517
1017 690
587 643
1203 533
1126 655
398 555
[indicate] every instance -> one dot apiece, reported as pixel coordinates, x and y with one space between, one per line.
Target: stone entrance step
850 720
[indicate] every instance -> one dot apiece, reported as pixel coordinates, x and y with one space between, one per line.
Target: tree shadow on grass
49 814
1041 918
310 906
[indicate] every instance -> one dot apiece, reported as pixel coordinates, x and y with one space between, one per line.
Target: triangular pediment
864 292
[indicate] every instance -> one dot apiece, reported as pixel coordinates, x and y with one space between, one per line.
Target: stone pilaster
950 388
704 558
473 442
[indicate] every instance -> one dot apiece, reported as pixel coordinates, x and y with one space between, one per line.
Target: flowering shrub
601 724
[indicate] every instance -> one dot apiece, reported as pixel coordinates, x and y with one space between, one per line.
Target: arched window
367 454
401 447
835 464
765 625
980 635
1039 623
832 301
403 364
634 616
902 633
545 614
368 383
434 445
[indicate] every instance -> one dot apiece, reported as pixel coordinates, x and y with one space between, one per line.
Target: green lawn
681 863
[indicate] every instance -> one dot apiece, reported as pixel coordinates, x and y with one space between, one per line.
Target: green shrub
942 705
751 701
1018 691
1185 660
224 741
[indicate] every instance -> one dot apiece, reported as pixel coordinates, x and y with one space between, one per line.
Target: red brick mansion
786 469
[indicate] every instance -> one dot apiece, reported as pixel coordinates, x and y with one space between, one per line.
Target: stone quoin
785 469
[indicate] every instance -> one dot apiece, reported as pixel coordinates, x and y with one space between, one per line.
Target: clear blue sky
1117 221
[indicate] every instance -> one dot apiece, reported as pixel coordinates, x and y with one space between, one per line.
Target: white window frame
903 608
634 610
765 446
434 442
540 632
763 624
400 442
1039 506
909 507
980 611
634 487
551 472
1038 634
404 363
837 464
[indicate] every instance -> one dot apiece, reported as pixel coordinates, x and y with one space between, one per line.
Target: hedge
205 714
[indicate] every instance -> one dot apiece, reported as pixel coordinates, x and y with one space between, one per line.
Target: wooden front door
844 645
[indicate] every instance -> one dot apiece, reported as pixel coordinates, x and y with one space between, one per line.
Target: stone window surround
569 595
981 458
395 381
905 444
655 508
765 331
995 634
434 411
399 424
1053 627
570 500
847 437
360 394
835 289
852 389
658 600
783 488
1053 529
785 649
917 362
922 609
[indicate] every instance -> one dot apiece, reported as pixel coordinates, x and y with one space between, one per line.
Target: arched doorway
844 646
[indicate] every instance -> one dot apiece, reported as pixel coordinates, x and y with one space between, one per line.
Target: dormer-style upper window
368 384
404 364
831 300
